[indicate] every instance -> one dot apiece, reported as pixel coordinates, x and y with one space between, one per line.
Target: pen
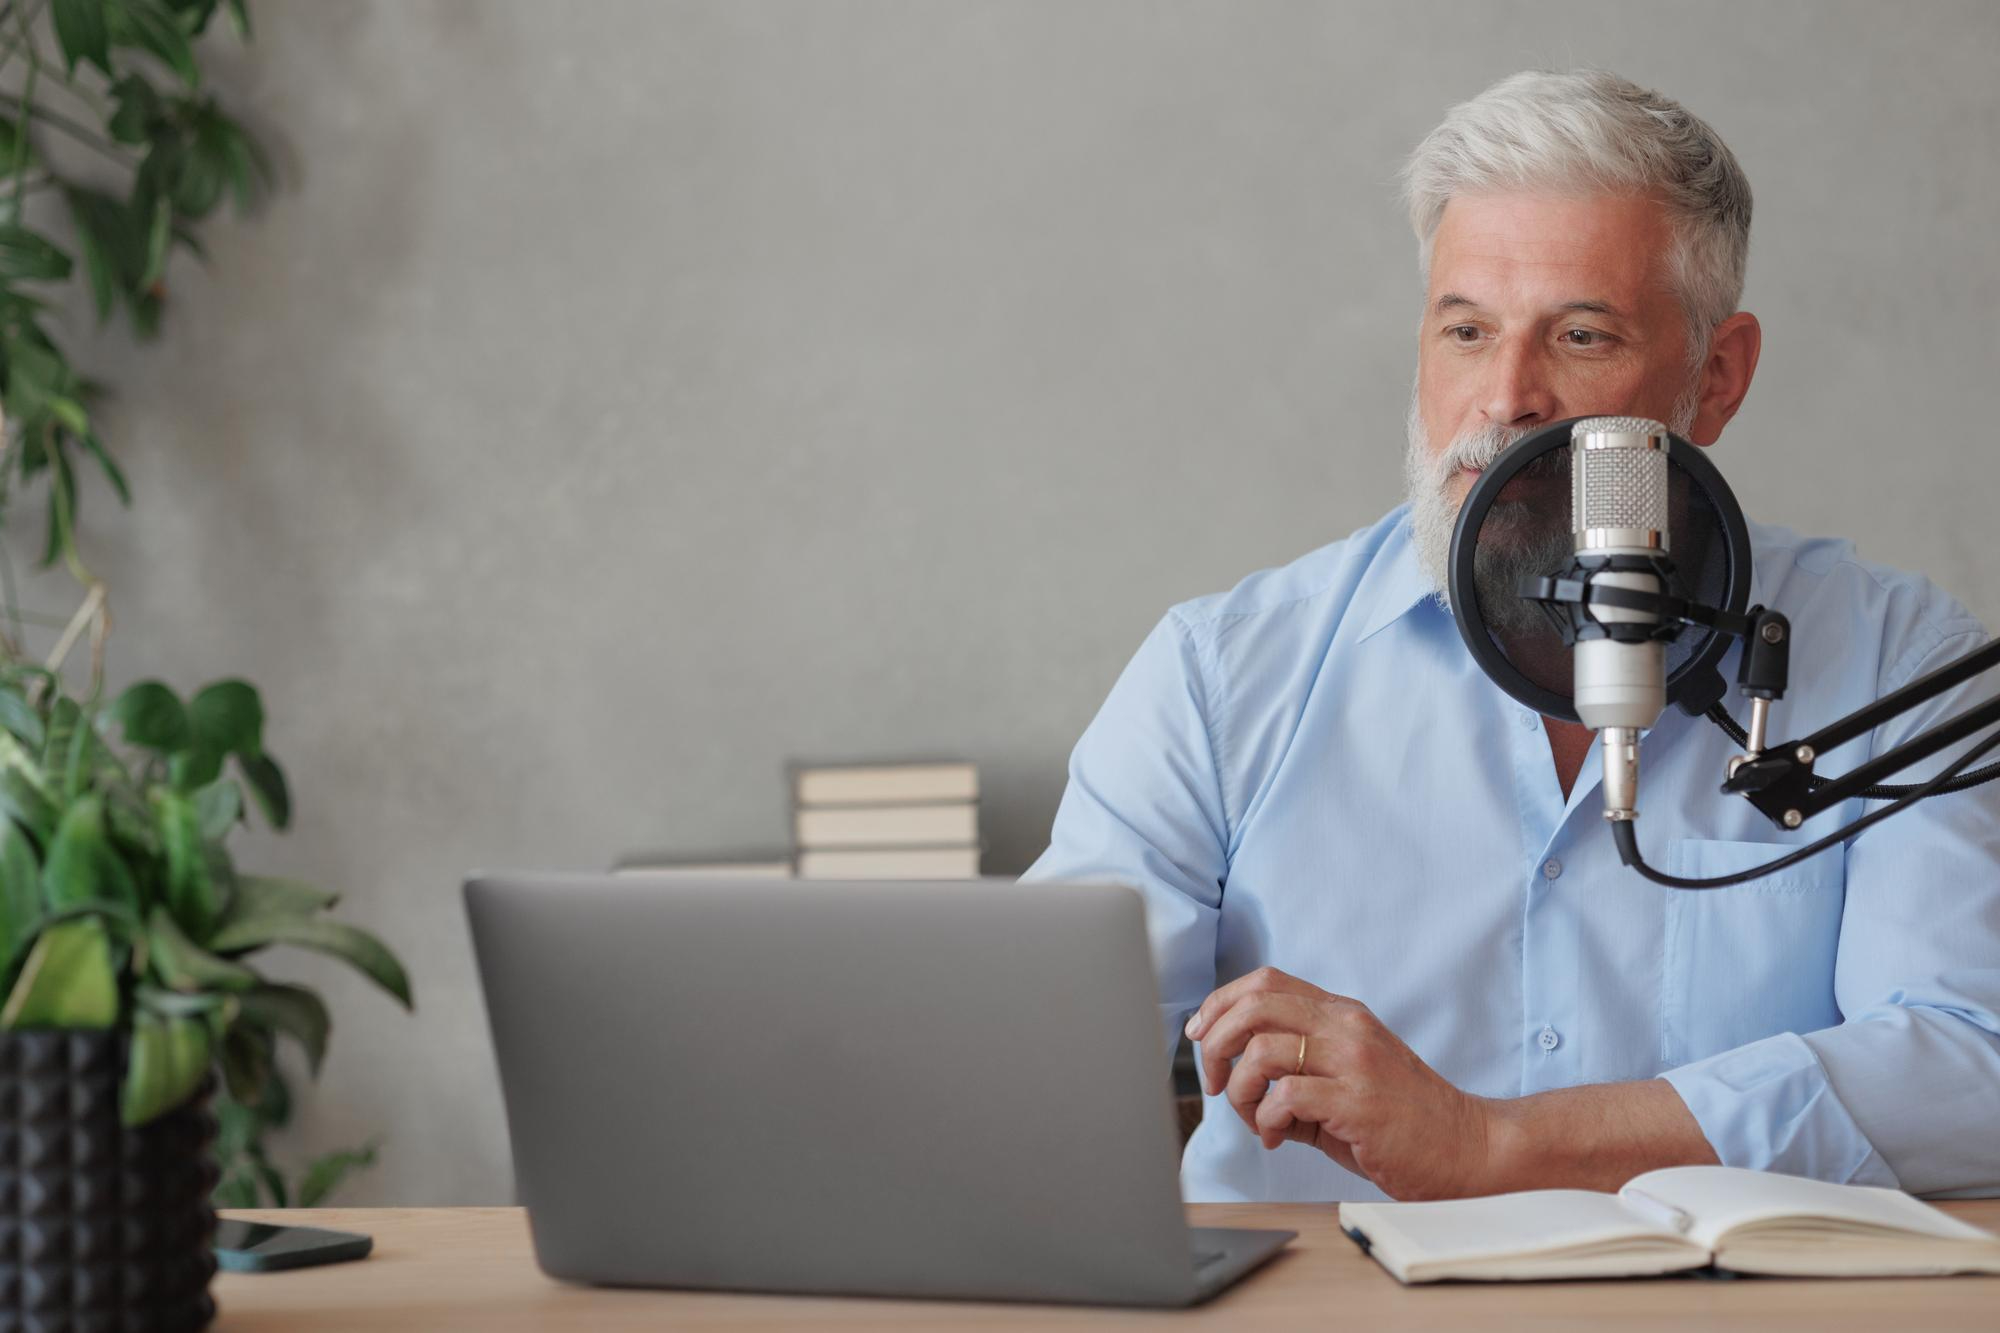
1659 1210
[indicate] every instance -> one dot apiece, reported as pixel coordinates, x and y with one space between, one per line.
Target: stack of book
886 820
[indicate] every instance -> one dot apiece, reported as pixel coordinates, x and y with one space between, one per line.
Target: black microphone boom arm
1779 779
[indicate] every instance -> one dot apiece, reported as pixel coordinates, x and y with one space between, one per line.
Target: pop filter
1515 525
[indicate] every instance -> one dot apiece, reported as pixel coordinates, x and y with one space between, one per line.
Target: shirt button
1552 869
1527 721
1549 1039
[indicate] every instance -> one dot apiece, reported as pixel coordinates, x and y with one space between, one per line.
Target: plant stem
81 133
99 629
91 611
41 618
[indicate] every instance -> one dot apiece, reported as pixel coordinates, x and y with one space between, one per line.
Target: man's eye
1584 337
1465 333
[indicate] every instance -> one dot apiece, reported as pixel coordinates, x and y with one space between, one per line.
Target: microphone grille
1616 426
1619 478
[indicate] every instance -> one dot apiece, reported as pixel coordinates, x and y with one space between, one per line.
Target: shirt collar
1395 583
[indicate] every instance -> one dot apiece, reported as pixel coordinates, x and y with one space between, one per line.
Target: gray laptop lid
951 1089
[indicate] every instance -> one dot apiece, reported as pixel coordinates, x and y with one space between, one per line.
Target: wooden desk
440 1269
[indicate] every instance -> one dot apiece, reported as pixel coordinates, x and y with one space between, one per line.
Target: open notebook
1664 1221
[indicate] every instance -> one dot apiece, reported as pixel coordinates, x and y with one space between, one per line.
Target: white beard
1426 476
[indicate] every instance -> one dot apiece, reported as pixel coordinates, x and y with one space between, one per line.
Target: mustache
1476 449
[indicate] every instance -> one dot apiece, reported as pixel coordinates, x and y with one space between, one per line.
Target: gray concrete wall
620 398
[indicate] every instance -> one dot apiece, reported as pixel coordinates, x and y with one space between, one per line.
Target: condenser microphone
1618 516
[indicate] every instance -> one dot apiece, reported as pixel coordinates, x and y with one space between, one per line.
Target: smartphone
259 1247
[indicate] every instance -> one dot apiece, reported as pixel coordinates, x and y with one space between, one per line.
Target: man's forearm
1594 1137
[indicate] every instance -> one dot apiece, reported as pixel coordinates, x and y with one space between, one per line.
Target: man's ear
1725 376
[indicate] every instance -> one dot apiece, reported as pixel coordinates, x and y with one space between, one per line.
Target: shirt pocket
1750 960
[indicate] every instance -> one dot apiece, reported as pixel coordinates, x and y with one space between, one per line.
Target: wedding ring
1302 1055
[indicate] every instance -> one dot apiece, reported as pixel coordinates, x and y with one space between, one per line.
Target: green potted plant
131 1021
129 938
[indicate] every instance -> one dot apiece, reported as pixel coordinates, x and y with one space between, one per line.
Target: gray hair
1591 129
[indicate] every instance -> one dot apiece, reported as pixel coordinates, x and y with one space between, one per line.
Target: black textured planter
103 1229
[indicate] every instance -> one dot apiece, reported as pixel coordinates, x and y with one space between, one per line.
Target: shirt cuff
1769 1106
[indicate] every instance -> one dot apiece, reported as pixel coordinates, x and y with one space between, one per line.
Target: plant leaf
326 1173
205 166
13 673
62 510
24 791
218 807
246 1065
97 268
222 874
112 255
337 939
169 1057
187 967
112 471
294 1011
10 143
35 373
63 717
193 15
77 765
27 805
81 33
159 232
70 413
235 1127
20 892
228 717
131 822
187 1004
186 236
267 784
151 27
19 716
152 717
244 169
194 767
239 18
137 109
67 981
262 896
191 895
82 865
27 255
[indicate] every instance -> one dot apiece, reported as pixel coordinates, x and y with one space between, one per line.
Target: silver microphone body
1618 506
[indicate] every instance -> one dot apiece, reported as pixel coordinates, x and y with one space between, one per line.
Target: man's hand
1363 1097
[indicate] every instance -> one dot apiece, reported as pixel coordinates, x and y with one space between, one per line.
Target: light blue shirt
1310 771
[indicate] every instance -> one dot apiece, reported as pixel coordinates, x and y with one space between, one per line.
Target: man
1439 980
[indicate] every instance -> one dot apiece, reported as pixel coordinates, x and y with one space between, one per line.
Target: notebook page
1719 1198
1534 1222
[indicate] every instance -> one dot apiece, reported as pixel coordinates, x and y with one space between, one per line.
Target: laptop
893 1089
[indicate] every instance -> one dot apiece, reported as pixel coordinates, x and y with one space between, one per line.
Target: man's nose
1518 393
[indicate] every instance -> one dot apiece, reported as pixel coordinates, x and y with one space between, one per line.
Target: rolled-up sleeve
1905 1091
1144 806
